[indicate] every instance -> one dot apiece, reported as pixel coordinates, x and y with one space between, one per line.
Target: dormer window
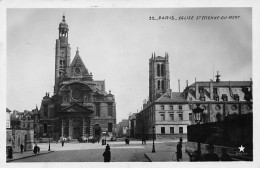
216 97
224 97
236 97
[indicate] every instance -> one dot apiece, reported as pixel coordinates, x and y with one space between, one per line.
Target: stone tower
62 53
159 76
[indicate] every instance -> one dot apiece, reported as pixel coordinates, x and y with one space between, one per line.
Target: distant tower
62 53
159 76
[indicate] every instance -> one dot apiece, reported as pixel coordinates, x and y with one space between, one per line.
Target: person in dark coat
21 147
225 156
35 149
10 153
107 154
38 149
179 151
211 156
143 141
62 142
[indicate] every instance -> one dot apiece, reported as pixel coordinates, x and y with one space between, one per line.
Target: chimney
187 85
211 90
179 84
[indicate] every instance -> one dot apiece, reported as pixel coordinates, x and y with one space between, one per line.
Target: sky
116 44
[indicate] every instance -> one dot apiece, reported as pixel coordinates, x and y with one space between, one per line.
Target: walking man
21 147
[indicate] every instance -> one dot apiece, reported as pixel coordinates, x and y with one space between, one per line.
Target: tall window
180 116
158 85
162 117
162 70
181 130
171 117
162 130
171 107
97 110
110 126
45 128
180 107
172 130
162 107
45 111
162 84
110 110
158 70
77 71
190 116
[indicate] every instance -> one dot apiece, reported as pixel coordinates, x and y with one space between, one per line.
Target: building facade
166 110
80 106
171 112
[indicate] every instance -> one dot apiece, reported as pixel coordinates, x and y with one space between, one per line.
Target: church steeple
62 55
159 76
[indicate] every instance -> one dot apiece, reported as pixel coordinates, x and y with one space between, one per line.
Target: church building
80 106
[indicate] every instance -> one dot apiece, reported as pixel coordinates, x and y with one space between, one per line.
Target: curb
27 156
147 157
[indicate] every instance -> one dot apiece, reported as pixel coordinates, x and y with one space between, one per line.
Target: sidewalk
17 156
163 156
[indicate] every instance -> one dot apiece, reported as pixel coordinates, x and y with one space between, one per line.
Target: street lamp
153 151
49 140
197 116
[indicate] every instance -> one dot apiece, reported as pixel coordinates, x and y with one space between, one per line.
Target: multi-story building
132 125
80 106
166 110
171 112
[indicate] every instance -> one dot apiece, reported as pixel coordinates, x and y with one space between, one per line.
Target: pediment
76 108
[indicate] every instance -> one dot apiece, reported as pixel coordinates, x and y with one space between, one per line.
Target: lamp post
49 140
153 151
197 117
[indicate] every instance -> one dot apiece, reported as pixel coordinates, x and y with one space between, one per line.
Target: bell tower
62 53
159 76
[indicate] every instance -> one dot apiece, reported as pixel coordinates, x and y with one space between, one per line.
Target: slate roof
224 83
173 97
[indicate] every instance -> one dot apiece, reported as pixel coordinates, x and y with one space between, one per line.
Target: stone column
70 128
83 126
62 127
90 127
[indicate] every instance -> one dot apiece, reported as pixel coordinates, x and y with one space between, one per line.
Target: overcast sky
116 45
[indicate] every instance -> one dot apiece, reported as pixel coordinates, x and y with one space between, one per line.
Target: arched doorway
76 132
77 128
97 130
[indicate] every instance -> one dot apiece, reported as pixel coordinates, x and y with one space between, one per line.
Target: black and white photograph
107 84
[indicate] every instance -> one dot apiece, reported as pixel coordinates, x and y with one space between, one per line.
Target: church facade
80 106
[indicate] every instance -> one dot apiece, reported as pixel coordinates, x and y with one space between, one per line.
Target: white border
131 4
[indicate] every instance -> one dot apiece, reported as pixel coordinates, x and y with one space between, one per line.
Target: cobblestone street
88 152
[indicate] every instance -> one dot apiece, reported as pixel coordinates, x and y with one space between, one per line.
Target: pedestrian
10 153
142 140
35 149
181 140
38 149
62 142
21 147
225 156
179 151
211 156
107 154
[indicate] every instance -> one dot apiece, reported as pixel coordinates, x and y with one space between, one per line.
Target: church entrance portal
76 132
97 130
